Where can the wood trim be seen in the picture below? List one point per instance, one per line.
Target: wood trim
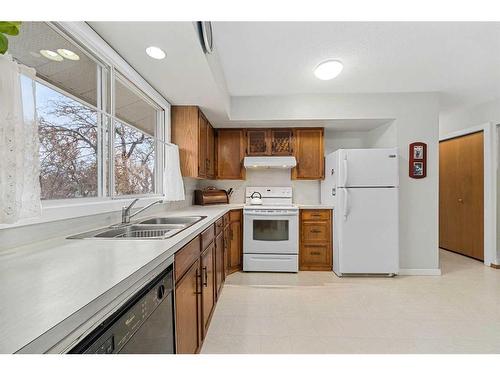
(495, 266)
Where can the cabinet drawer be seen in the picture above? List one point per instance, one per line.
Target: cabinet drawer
(207, 236)
(316, 214)
(186, 256)
(315, 231)
(315, 255)
(219, 225)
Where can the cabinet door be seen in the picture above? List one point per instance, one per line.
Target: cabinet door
(258, 142)
(282, 142)
(208, 285)
(219, 262)
(230, 154)
(309, 153)
(226, 251)
(202, 145)
(188, 311)
(235, 256)
(210, 151)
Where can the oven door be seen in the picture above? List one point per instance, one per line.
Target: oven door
(271, 233)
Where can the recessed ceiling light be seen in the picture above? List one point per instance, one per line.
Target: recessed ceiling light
(67, 54)
(328, 69)
(155, 53)
(51, 55)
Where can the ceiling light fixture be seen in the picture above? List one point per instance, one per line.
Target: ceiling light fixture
(328, 69)
(67, 54)
(155, 53)
(51, 55)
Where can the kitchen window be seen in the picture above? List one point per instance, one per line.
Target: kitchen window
(101, 136)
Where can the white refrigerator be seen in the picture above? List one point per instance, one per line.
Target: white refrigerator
(363, 186)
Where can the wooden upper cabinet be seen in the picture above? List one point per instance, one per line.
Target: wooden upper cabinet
(262, 142)
(202, 146)
(258, 142)
(210, 151)
(230, 154)
(309, 152)
(194, 135)
(281, 142)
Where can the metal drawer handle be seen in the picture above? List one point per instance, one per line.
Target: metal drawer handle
(315, 253)
(205, 283)
(198, 276)
(315, 231)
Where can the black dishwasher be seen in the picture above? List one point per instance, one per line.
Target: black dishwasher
(143, 325)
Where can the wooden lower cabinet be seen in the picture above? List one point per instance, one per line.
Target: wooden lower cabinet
(235, 241)
(200, 269)
(208, 285)
(315, 250)
(219, 263)
(226, 247)
(188, 311)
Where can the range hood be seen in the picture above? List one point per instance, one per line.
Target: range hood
(281, 162)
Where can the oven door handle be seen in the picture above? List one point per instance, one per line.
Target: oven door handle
(270, 215)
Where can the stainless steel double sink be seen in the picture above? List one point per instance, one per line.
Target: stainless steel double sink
(155, 228)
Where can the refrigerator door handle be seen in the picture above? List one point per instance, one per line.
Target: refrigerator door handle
(345, 171)
(346, 203)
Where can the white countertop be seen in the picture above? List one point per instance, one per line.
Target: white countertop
(54, 292)
(50, 288)
(316, 206)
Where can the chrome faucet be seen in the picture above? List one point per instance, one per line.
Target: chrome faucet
(126, 216)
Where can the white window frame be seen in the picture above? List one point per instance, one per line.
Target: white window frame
(60, 209)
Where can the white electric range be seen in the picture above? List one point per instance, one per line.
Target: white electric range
(271, 231)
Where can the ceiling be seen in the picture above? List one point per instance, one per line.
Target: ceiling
(183, 77)
(460, 60)
(77, 77)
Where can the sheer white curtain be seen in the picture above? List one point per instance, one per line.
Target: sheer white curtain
(19, 144)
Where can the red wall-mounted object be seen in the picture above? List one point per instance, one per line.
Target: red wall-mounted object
(418, 160)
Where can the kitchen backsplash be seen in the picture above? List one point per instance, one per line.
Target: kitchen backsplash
(304, 192)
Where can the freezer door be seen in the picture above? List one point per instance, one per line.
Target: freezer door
(367, 231)
(368, 167)
(329, 184)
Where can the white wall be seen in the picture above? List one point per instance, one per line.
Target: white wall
(415, 119)
(335, 139)
(462, 118)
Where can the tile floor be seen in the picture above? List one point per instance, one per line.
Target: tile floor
(317, 312)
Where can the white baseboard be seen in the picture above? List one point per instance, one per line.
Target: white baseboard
(420, 271)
